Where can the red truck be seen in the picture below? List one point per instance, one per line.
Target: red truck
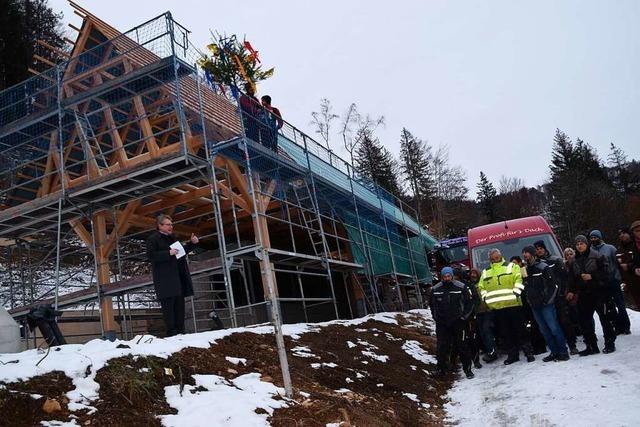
(510, 237)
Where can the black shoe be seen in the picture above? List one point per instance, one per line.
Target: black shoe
(627, 332)
(469, 374)
(550, 358)
(573, 350)
(562, 357)
(477, 364)
(490, 357)
(509, 360)
(530, 358)
(589, 351)
(609, 349)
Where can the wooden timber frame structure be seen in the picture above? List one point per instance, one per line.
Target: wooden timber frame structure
(125, 129)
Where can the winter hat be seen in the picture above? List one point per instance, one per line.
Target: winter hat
(529, 249)
(539, 244)
(596, 233)
(445, 271)
(635, 224)
(582, 238)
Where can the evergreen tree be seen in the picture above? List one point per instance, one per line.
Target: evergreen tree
(415, 162)
(374, 162)
(582, 196)
(22, 24)
(486, 197)
(620, 172)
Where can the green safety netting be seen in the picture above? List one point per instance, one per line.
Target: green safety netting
(375, 235)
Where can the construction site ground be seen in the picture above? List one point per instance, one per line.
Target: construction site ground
(375, 371)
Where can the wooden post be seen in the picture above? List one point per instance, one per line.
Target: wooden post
(103, 274)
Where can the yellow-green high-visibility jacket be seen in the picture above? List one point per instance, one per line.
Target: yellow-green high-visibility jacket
(501, 285)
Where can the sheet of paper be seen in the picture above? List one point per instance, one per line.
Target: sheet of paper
(178, 246)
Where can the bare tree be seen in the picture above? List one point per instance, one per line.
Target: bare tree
(510, 184)
(448, 186)
(322, 120)
(355, 128)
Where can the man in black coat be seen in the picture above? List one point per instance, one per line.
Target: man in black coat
(541, 290)
(171, 276)
(451, 306)
(562, 305)
(589, 279)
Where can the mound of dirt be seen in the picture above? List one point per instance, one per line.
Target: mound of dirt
(351, 374)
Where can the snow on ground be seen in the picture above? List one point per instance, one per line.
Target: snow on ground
(598, 390)
(225, 402)
(415, 350)
(236, 401)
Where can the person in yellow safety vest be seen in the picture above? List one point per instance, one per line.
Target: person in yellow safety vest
(501, 288)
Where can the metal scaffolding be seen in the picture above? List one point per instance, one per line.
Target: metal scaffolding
(127, 128)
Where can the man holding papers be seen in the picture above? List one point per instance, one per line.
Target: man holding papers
(171, 276)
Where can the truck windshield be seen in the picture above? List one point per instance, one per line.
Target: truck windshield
(511, 248)
(455, 253)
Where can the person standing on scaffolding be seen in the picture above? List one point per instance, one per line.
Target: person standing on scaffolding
(273, 122)
(251, 110)
(171, 276)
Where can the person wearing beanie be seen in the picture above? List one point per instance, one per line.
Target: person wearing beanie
(588, 280)
(501, 287)
(538, 344)
(620, 316)
(563, 311)
(541, 291)
(451, 306)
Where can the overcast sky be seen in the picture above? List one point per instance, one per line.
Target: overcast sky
(490, 79)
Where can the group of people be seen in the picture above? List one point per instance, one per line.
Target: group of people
(537, 301)
(260, 119)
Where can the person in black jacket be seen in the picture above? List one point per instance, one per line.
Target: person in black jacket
(588, 278)
(541, 290)
(451, 306)
(563, 310)
(171, 276)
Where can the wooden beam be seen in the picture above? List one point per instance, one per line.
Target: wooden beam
(261, 228)
(53, 48)
(91, 164)
(269, 192)
(103, 274)
(82, 233)
(120, 154)
(145, 126)
(180, 199)
(149, 223)
(45, 60)
(234, 197)
(122, 225)
(238, 179)
(45, 184)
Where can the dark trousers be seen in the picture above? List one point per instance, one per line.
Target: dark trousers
(565, 319)
(484, 323)
(173, 315)
(452, 339)
(588, 303)
(512, 330)
(622, 322)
